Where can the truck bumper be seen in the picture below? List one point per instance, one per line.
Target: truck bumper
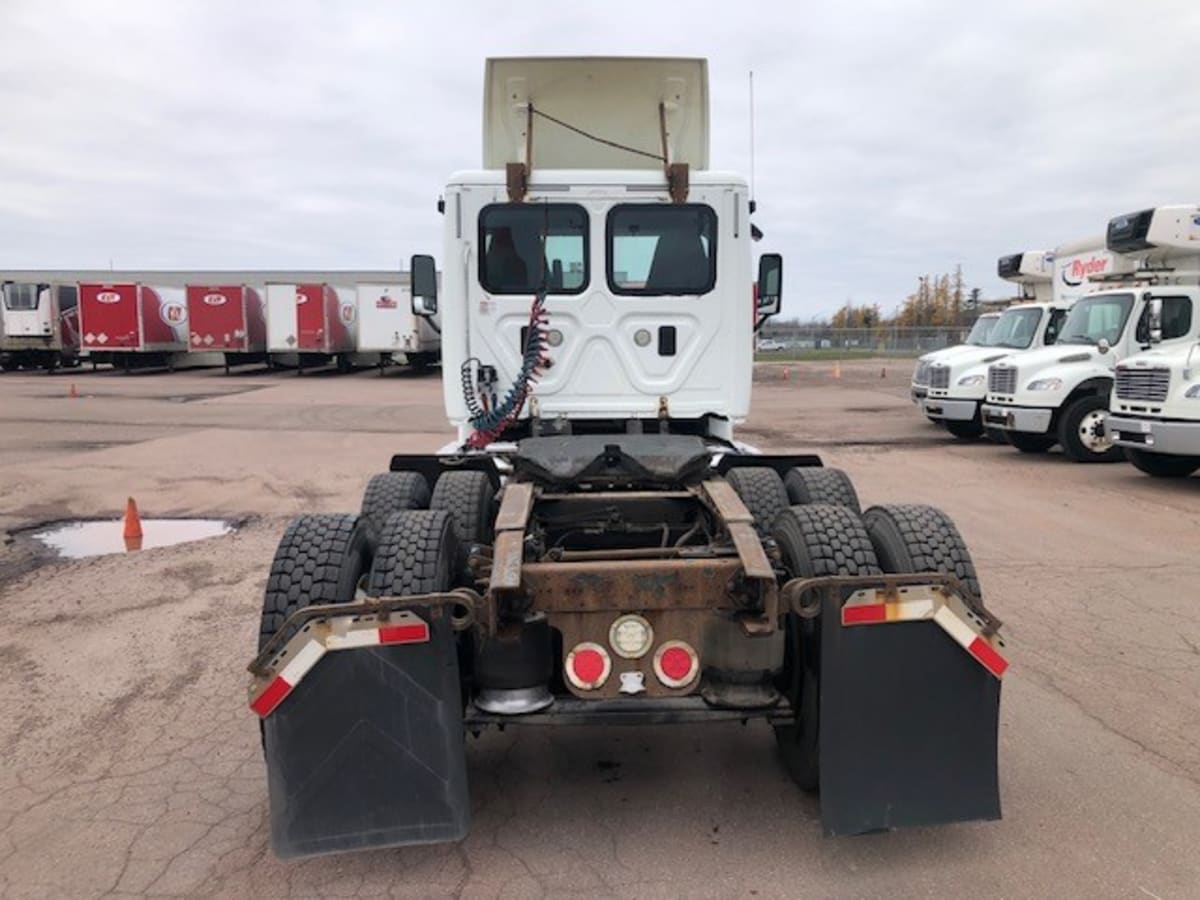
(1026, 419)
(1171, 438)
(950, 410)
(918, 394)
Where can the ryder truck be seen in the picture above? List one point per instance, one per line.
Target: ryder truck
(596, 547)
(1059, 394)
(958, 382)
(1155, 405)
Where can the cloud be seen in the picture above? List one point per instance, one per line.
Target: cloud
(892, 139)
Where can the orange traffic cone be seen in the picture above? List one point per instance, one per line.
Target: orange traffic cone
(837, 370)
(73, 394)
(133, 522)
(787, 374)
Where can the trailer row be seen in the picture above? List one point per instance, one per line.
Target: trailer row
(133, 323)
(1098, 357)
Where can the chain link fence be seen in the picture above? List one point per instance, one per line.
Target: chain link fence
(884, 340)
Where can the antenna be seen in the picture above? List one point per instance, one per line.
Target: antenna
(752, 203)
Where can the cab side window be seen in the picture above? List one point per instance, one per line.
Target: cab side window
(1054, 325)
(1176, 317)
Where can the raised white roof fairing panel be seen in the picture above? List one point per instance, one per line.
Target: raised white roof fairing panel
(614, 98)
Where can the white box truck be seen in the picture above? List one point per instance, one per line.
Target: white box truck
(389, 332)
(958, 383)
(1060, 394)
(1155, 405)
(980, 329)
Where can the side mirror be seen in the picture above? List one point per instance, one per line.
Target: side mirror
(1155, 310)
(1103, 345)
(423, 281)
(770, 284)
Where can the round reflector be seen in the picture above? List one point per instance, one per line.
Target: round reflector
(631, 636)
(587, 666)
(676, 664)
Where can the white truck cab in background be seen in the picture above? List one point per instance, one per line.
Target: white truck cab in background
(976, 337)
(1060, 394)
(958, 383)
(1155, 405)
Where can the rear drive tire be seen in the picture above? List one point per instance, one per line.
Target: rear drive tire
(320, 560)
(471, 501)
(814, 540)
(1160, 465)
(965, 431)
(910, 538)
(390, 492)
(418, 553)
(1082, 434)
(1030, 443)
(762, 490)
(807, 485)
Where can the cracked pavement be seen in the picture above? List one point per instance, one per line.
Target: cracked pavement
(131, 767)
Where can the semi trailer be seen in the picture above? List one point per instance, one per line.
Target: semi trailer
(229, 319)
(132, 324)
(1153, 416)
(957, 384)
(311, 325)
(1060, 394)
(39, 325)
(389, 332)
(596, 546)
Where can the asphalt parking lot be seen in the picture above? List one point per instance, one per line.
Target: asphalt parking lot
(131, 766)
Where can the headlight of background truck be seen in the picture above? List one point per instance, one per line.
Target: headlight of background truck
(1045, 384)
(971, 380)
(1193, 393)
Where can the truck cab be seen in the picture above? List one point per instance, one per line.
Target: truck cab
(958, 383)
(1060, 394)
(1154, 416)
(976, 337)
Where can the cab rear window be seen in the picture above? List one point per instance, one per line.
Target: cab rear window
(657, 250)
(527, 246)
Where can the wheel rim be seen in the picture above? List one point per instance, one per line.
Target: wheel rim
(1092, 433)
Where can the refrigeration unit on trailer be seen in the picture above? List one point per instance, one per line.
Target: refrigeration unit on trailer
(980, 329)
(389, 329)
(132, 324)
(596, 547)
(1060, 394)
(958, 383)
(39, 325)
(229, 319)
(1155, 404)
(310, 325)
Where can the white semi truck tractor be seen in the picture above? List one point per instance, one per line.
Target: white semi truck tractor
(596, 547)
(1059, 394)
(1155, 405)
(980, 329)
(958, 382)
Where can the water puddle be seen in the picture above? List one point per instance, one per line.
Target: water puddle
(77, 540)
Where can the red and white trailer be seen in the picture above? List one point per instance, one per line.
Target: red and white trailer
(132, 324)
(310, 324)
(229, 319)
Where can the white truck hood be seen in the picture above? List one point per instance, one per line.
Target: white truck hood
(1071, 364)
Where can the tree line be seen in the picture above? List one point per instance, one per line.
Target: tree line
(938, 301)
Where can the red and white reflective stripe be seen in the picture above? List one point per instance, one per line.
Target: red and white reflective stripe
(345, 633)
(953, 618)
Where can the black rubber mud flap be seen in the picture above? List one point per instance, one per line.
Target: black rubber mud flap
(367, 751)
(908, 728)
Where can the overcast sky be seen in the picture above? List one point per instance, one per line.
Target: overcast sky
(894, 139)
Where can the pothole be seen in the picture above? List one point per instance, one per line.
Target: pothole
(77, 540)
